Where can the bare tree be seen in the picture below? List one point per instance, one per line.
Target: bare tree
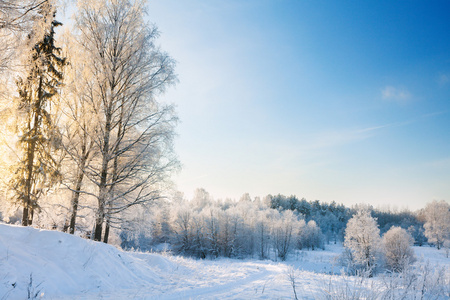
(262, 235)
(80, 151)
(80, 122)
(183, 228)
(282, 233)
(134, 132)
(16, 20)
(14, 14)
(437, 225)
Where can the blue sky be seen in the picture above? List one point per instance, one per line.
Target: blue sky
(329, 100)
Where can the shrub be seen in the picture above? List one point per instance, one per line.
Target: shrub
(397, 249)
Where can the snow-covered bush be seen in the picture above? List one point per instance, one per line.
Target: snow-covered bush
(345, 287)
(423, 282)
(310, 236)
(397, 249)
(362, 239)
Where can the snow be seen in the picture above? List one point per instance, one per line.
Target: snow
(63, 266)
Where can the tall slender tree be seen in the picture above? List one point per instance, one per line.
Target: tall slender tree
(78, 142)
(37, 168)
(134, 132)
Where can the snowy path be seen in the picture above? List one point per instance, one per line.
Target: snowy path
(221, 279)
(249, 287)
(227, 279)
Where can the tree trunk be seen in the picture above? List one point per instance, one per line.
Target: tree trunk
(25, 214)
(103, 193)
(105, 238)
(114, 176)
(76, 193)
(75, 198)
(30, 216)
(98, 228)
(101, 202)
(27, 217)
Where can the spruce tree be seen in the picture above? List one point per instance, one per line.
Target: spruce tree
(39, 136)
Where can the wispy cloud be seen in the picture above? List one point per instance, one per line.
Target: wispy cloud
(335, 138)
(433, 114)
(339, 137)
(396, 94)
(345, 136)
(309, 150)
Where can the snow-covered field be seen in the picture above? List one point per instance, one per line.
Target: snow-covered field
(54, 265)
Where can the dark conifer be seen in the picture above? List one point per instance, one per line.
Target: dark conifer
(37, 169)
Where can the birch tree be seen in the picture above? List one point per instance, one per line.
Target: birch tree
(437, 225)
(183, 240)
(262, 235)
(283, 232)
(134, 132)
(80, 122)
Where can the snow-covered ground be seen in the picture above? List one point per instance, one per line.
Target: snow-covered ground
(54, 265)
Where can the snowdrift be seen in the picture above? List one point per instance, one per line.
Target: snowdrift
(45, 264)
(51, 264)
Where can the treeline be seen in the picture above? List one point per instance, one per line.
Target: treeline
(332, 217)
(412, 222)
(207, 228)
(271, 227)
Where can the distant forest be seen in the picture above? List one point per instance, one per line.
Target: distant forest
(265, 228)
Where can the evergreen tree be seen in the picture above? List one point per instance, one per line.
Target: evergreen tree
(37, 168)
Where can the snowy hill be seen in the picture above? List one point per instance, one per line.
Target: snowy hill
(61, 264)
(53, 265)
